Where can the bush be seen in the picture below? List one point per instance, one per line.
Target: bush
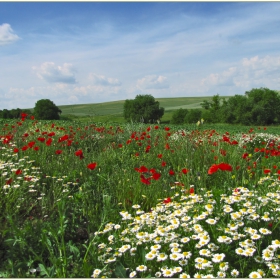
(45, 109)
(193, 116)
(178, 116)
(143, 108)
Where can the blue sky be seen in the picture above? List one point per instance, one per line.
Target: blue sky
(91, 52)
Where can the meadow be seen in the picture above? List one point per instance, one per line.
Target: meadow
(107, 112)
(90, 199)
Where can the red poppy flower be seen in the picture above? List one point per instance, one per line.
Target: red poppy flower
(16, 150)
(214, 168)
(191, 190)
(36, 148)
(31, 144)
(266, 171)
(156, 176)
(18, 172)
(225, 167)
(159, 156)
(185, 170)
(24, 148)
(156, 127)
(143, 169)
(92, 165)
(167, 147)
(58, 152)
(120, 145)
(23, 115)
(79, 153)
(8, 182)
(49, 141)
(163, 163)
(63, 138)
(234, 142)
(166, 201)
(245, 155)
(171, 172)
(27, 178)
(152, 170)
(41, 139)
(145, 180)
(167, 128)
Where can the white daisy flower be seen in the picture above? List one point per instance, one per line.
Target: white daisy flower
(141, 268)
(218, 257)
(254, 274)
(132, 274)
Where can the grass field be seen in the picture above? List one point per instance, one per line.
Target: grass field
(113, 111)
(135, 200)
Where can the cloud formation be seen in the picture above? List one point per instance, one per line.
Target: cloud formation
(7, 35)
(249, 72)
(103, 81)
(51, 73)
(153, 82)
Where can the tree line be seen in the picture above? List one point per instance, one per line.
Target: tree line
(259, 106)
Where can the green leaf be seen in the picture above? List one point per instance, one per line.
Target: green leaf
(120, 271)
(43, 270)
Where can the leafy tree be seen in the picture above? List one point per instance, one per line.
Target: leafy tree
(265, 106)
(205, 104)
(193, 116)
(143, 108)
(45, 109)
(232, 111)
(211, 113)
(178, 116)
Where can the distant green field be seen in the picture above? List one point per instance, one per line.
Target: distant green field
(116, 107)
(113, 111)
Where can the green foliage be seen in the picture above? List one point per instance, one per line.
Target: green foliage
(257, 107)
(52, 205)
(13, 113)
(193, 116)
(45, 109)
(143, 108)
(265, 106)
(179, 115)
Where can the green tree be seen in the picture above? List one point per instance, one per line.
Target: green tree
(212, 110)
(193, 116)
(205, 104)
(234, 110)
(143, 108)
(265, 106)
(45, 109)
(178, 116)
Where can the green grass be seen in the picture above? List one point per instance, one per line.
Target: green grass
(59, 194)
(113, 111)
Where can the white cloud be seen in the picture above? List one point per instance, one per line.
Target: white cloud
(248, 73)
(153, 82)
(51, 73)
(102, 80)
(7, 35)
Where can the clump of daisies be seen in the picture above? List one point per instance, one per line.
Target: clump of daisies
(197, 236)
